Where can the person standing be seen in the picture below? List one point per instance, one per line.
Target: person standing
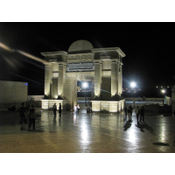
(27, 107)
(22, 115)
(142, 113)
(130, 112)
(126, 112)
(137, 111)
(60, 109)
(75, 108)
(78, 108)
(54, 109)
(32, 118)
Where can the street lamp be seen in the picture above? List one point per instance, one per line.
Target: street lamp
(133, 85)
(163, 93)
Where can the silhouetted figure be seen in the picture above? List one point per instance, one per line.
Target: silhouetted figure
(27, 106)
(60, 109)
(22, 115)
(32, 118)
(130, 112)
(126, 112)
(142, 113)
(54, 109)
(137, 111)
(78, 108)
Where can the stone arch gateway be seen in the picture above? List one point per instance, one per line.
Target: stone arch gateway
(82, 62)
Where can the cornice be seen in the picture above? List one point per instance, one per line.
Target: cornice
(54, 53)
(109, 49)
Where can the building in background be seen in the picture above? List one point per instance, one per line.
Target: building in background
(101, 67)
(13, 92)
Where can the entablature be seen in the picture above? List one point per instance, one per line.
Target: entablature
(109, 49)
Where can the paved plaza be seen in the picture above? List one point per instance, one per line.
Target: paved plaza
(87, 133)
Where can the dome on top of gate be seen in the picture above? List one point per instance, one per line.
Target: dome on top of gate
(80, 45)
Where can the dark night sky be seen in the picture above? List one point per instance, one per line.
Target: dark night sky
(149, 49)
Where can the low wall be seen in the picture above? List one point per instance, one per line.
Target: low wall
(107, 106)
(146, 99)
(48, 104)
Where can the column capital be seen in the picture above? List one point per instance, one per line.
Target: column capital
(97, 62)
(47, 65)
(60, 63)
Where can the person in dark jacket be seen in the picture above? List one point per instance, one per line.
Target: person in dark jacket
(22, 112)
(142, 113)
(32, 118)
(60, 109)
(137, 111)
(130, 112)
(54, 109)
(126, 112)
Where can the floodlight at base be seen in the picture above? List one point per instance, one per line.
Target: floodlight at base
(85, 85)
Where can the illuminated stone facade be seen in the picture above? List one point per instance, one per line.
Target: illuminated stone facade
(82, 62)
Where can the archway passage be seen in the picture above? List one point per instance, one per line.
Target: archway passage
(84, 94)
(84, 89)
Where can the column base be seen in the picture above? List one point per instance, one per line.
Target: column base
(107, 106)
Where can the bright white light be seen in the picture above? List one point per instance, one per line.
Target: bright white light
(133, 84)
(85, 85)
(163, 91)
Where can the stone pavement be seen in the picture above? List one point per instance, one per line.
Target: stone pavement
(87, 133)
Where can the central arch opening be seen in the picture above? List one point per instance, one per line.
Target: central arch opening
(84, 89)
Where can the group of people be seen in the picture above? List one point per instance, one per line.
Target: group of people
(55, 109)
(24, 112)
(140, 113)
(27, 111)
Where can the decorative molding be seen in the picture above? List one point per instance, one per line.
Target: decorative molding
(80, 75)
(105, 58)
(79, 58)
(53, 60)
(54, 53)
(109, 49)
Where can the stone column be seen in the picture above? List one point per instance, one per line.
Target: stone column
(60, 79)
(114, 77)
(47, 80)
(97, 83)
(74, 91)
(120, 80)
(64, 77)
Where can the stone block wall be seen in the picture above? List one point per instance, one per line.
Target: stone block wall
(13, 92)
(107, 106)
